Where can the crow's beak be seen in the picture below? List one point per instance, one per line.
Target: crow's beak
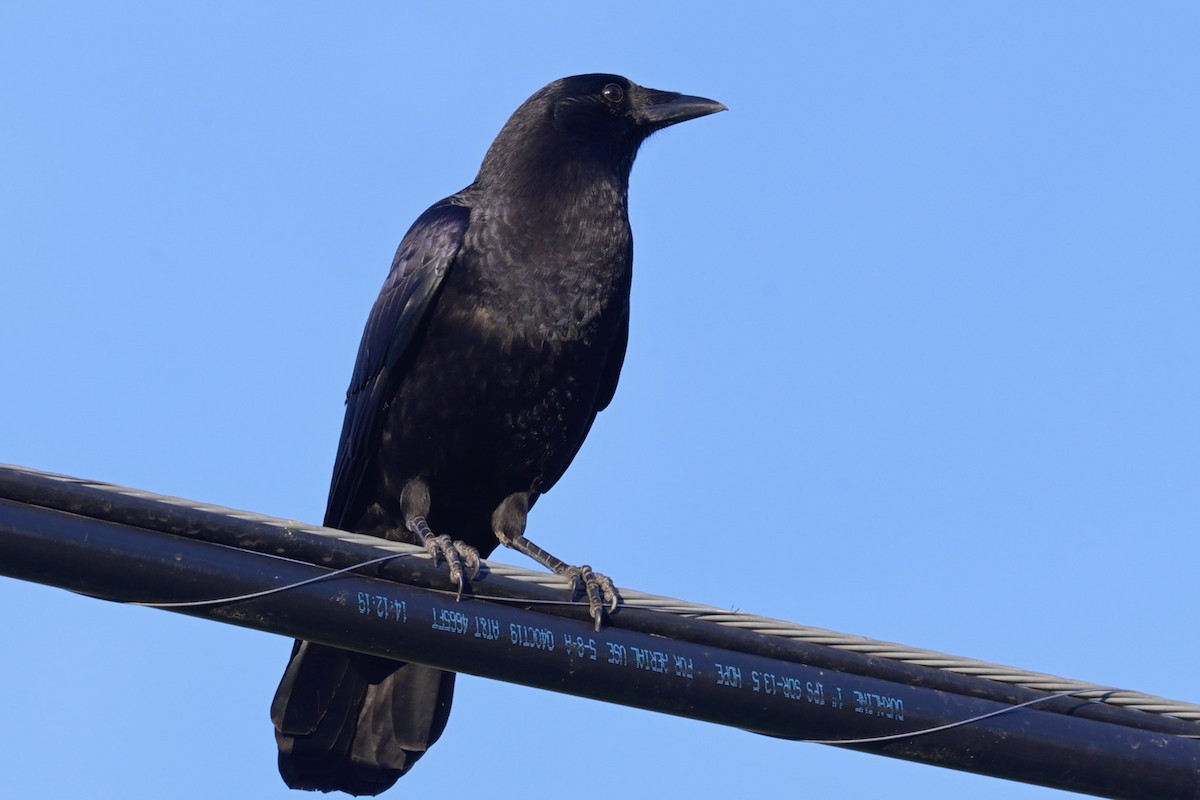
(667, 108)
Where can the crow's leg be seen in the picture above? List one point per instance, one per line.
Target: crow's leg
(414, 505)
(508, 523)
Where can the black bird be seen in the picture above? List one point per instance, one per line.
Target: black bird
(497, 338)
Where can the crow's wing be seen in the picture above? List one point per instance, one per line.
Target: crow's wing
(396, 324)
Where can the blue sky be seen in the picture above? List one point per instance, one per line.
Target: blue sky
(913, 352)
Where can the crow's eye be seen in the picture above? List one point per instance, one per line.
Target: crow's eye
(613, 93)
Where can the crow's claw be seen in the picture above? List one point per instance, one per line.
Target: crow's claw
(470, 556)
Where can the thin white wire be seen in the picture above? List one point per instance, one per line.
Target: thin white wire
(381, 559)
(237, 598)
(947, 726)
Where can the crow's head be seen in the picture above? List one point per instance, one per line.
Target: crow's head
(598, 118)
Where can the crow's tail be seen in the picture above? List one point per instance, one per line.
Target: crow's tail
(355, 723)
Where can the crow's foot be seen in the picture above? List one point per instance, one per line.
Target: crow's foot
(601, 593)
(459, 556)
(600, 590)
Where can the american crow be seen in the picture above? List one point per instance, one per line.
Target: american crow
(497, 338)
